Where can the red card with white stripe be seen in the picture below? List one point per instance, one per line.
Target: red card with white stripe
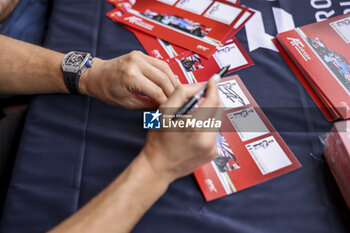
(249, 149)
(197, 25)
(191, 67)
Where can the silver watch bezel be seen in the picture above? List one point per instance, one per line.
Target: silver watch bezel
(75, 69)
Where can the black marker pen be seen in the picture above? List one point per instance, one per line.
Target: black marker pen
(194, 100)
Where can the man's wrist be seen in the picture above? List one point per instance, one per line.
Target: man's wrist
(87, 78)
(153, 157)
(141, 179)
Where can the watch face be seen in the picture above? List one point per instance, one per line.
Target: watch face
(76, 59)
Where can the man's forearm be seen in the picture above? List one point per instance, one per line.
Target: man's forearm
(29, 69)
(121, 205)
(6, 7)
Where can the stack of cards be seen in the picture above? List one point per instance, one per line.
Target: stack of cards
(195, 37)
(337, 154)
(319, 54)
(250, 150)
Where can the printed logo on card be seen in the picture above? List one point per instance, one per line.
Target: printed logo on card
(201, 47)
(300, 47)
(211, 186)
(295, 42)
(151, 120)
(138, 21)
(157, 54)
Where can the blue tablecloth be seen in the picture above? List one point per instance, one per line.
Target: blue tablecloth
(74, 146)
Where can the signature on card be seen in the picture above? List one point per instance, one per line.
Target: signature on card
(227, 90)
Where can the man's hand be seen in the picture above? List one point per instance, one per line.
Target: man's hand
(120, 81)
(165, 157)
(176, 154)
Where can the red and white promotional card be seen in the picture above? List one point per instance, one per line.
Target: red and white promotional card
(197, 25)
(116, 2)
(127, 4)
(191, 67)
(121, 3)
(327, 111)
(243, 19)
(158, 48)
(249, 149)
(322, 53)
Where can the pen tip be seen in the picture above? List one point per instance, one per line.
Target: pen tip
(224, 70)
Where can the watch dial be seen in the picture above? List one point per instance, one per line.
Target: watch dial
(76, 59)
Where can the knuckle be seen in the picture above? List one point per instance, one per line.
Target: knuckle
(164, 64)
(158, 93)
(211, 148)
(134, 55)
(182, 91)
(212, 154)
(129, 71)
(208, 147)
(210, 141)
(164, 81)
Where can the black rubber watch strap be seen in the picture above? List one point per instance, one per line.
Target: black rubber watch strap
(72, 82)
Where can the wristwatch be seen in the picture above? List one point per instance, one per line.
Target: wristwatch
(74, 64)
